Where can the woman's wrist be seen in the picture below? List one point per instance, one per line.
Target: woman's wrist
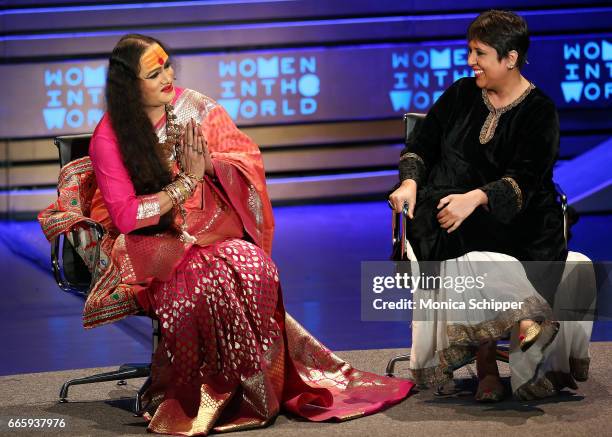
(210, 170)
(408, 182)
(192, 176)
(480, 197)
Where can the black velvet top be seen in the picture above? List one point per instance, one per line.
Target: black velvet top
(454, 153)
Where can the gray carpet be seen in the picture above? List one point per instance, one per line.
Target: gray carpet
(104, 409)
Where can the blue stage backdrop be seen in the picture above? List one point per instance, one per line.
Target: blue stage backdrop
(321, 85)
(311, 84)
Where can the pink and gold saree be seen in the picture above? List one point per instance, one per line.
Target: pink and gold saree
(230, 357)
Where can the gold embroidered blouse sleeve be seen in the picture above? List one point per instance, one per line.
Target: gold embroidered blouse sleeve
(148, 211)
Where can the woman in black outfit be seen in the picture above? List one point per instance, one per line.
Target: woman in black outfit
(477, 183)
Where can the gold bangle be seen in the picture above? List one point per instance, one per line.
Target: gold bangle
(173, 193)
(181, 189)
(177, 191)
(193, 176)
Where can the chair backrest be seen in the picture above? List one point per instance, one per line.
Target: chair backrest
(72, 147)
(73, 273)
(412, 123)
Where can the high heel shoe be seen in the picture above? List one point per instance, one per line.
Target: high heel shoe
(531, 335)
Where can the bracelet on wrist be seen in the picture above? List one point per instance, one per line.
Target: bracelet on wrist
(181, 188)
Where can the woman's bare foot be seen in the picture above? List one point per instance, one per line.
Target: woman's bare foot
(490, 387)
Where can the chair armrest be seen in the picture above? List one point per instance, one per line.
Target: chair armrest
(562, 196)
(399, 239)
(563, 201)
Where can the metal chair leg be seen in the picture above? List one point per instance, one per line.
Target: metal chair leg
(127, 371)
(391, 364)
(138, 404)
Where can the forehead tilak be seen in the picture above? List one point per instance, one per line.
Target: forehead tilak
(154, 57)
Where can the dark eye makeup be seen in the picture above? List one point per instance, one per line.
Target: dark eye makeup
(167, 65)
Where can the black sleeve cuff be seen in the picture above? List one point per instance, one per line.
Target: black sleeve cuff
(411, 166)
(505, 198)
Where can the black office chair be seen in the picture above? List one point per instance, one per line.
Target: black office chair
(73, 275)
(412, 124)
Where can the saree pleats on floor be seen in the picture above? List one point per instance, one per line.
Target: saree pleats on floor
(230, 357)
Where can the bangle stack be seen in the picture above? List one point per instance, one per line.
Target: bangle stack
(182, 188)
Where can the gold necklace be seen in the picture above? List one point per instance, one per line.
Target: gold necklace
(172, 150)
(173, 136)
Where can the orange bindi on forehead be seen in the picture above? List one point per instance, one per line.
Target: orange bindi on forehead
(153, 57)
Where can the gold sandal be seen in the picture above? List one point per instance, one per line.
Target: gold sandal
(531, 335)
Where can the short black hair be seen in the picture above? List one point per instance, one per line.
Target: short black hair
(502, 30)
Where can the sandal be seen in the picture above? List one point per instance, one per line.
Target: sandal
(531, 335)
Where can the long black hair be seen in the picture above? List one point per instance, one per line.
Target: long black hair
(138, 142)
(142, 155)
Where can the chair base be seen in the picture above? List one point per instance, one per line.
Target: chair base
(390, 371)
(126, 371)
(501, 354)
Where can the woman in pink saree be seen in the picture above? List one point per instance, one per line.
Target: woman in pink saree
(181, 193)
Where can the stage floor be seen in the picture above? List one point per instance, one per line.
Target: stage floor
(318, 250)
(104, 409)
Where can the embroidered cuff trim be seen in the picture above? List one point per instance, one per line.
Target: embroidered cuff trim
(411, 166)
(148, 211)
(517, 191)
